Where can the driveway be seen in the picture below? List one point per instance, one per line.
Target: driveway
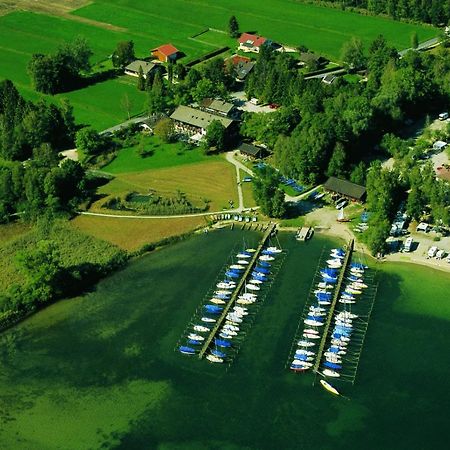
(241, 102)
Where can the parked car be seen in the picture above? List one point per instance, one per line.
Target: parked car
(342, 204)
(443, 116)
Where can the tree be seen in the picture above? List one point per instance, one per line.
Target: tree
(88, 141)
(156, 100)
(336, 166)
(42, 269)
(141, 79)
(126, 104)
(233, 27)
(123, 54)
(215, 135)
(414, 40)
(165, 130)
(267, 194)
(358, 174)
(352, 54)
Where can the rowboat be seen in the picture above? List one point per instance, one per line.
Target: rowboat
(214, 359)
(329, 388)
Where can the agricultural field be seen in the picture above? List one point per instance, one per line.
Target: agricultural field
(133, 234)
(320, 29)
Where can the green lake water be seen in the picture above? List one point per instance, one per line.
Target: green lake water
(100, 371)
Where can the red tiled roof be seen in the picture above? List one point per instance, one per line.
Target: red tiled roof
(166, 49)
(254, 39)
(236, 59)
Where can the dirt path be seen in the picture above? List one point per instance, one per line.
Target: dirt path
(61, 8)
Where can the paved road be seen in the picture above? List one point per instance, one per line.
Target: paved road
(422, 46)
(124, 124)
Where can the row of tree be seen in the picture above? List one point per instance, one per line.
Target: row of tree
(63, 70)
(25, 125)
(436, 12)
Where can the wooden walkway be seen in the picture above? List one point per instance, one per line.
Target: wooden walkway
(303, 234)
(238, 289)
(337, 291)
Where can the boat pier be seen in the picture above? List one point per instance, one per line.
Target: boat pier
(337, 291)
(268, 232)
(304, 233)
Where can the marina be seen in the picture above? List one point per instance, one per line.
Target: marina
(230, 310)
(122, 358)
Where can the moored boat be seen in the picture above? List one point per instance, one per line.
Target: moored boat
(329, 388)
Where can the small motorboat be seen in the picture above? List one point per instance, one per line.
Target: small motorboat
(329, 388)
(222, 343)
(304, 352)
(195, 337)
(266, 258)
(243, 255)
(250, 250)
(231, 327)
(313, 323)
(330, 373)
(237, 267)
(299, 367)
(226, 285)
(201, 328)
(243, 262)
(245, 301)
(273, 249)
(323, 285)
(208, 320)
(344, 301)
(310, 331)
(311, 336)
(252, 287)
(303, 343)
(231, 274)
(333, 366)
(224, 335)
(218, 353)
(264, 264)
(223, 292)
(213, 309)
(303, 358)
(214, 359)
(217, 301)
(194, 342)
(256, 281)
(187, 350)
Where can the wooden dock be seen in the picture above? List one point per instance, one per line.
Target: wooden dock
(303, 233)
(269, 230)
(337, 291)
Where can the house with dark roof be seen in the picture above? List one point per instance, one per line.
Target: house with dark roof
(133, 68)
(165, 53)
(252, 151)
(193, 123)
(217, 106)
(311, 59)
(252, 42)
(242, 66)
(346, 189)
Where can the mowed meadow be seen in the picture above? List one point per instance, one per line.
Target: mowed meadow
(195, 28)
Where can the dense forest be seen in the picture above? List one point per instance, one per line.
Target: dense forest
(436, 12)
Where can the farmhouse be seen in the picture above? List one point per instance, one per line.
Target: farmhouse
(133, 68)
(242, 66)
(311, 59)
(165, 53)
(217, 106)
(193, 123)
(346, 189)
(252, 42)
(251, 151)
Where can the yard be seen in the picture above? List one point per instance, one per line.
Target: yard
(212, 181)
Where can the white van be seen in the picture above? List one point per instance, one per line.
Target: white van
(443, 116)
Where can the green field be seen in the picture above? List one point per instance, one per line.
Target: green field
(162, 156)
(321, 29)
(183, 23)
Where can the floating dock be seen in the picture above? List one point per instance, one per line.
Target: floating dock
(304, 233)
(269, 230)
(337, 291)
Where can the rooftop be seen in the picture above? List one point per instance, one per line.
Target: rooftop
(198, 118)
(250, 149)
(345, 187)
(166, 49)
(252, 40)
(134, 66)
(218, 105)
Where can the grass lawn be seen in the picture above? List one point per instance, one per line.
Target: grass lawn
(323, 30)
(214, 181)
(247, 190)
(163, 155)
(13, 230)
(132, 234)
